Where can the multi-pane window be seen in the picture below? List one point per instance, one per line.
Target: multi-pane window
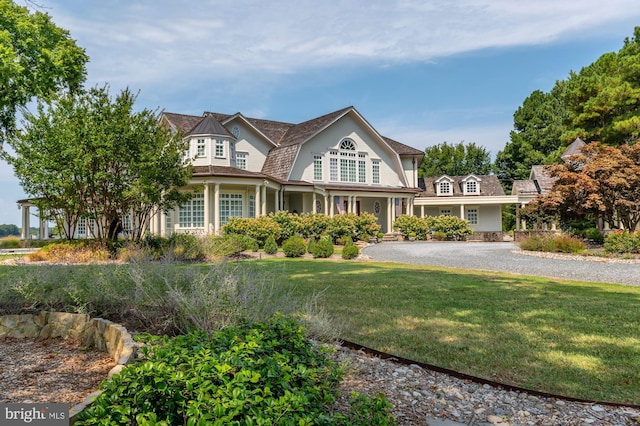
(347, 167)
(317, 167)
(191, 213)
(200, 148)
(230, 206)
(375, 171)
(445, 188)
(472, 187)
(82, 227)
(252, 206)
(472, 216)
(219, 148)
(333, 169)
(348, 145)
(362, 169)
(241, 160)
(445, 212)
(126, 223)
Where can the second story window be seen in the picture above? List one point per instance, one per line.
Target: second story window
(317, 167)
(200, 148)
(444, 188)
(219, 148)
(471, 187)
(375, 171)
(241, 160)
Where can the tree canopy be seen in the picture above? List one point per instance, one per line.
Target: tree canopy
(86, 155)
(601, 103)
(455, 160)
(37, 59)
(601, 182)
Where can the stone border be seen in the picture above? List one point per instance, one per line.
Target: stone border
(98, 333)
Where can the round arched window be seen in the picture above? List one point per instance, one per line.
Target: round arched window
(235, 131)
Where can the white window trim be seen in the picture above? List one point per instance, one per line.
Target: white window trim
(204, 148)
(245, 157)
(216, 143)
(440, 181)
(477, 214)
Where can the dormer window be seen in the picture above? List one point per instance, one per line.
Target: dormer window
(219, 148)
(200, 148)
(444, 186)
(471, 185)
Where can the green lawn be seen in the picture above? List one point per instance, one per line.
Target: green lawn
(566, 337)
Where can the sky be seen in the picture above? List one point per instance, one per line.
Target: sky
(421, 72)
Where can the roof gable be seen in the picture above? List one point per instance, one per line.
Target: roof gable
(208, 125)
(490, 186)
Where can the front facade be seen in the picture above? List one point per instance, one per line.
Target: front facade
(333, 164)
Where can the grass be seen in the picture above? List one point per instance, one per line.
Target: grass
(566, 337)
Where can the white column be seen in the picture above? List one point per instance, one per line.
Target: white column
(258, 203)
(332, 205)
(44, 227)
(276, 198)
(207, 210)
(326, 204)
(264, 200)
(313, 202)
(25, 222)
(461, 211)
(407, 207)
(163, 223)
(216, 209)
(421, 211)
(390, 209)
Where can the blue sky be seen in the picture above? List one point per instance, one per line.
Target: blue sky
(420, 71)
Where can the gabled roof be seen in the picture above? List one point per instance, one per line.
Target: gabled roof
(302, 132)
(182, 122)
(272, 130)
(208, 125)
(524, 187)
(574, 148)
(542, 179)
(401, 148)
(490, 186)
(280, 160)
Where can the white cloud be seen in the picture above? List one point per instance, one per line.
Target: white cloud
(136, 42)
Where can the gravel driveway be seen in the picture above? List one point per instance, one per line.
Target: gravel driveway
(506, 257)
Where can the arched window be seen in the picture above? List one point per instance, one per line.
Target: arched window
(348, 145)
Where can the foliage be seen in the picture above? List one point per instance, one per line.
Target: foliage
(420, 226)
(599, 182)
(294, 247)
(9, 230)
(270, 246)
(365, 224)
(218, 246)
(81, 251)
(622, 242)
(323, 248)
(594, 235)
(9, 242)
(553, 244)
(342, 225)
(439, 236)
(440, 227)
(311, 245)
(85, 155)
(455, 160)
(38, 59)
(263, 373)
(186, 247)
(453, 227)
(350, 251)
(260, 228)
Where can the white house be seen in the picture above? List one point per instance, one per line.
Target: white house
(248, 167)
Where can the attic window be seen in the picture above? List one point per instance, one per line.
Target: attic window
(444, 188)
(348, 145)
(471, 187)
(236, 131)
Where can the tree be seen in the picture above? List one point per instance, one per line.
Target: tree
(455, 160)
(85, 155)
(537, 126)
(37, 59)
(8, 230)
(601, 182)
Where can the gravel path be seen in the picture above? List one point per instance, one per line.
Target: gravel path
(507, 257)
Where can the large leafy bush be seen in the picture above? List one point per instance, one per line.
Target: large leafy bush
(323, 248)
(621, 242)
(294, 247)
(259, 228)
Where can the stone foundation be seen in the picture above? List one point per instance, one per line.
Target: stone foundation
(98, 333)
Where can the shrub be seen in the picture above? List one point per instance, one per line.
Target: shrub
(553, 244)
(294, 247)
(452, 226)
(439, 236)
(350, 251)
(228, 245)
(79, 251)
(343, 241)
(185, 247)
(621, 242)
(323, 248)
(270, 246)
(342, 225)
(566, 244)
(290, 224)
(365, 224)
(594, 235)
(311, 245)
(264, 373)
(259, 228)
(412, 224)
(9, 242)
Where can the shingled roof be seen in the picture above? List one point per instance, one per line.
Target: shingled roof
(302, 132)
(401, 148)
(542, 179)
(182, 122)
(280, 160)
(573, 149)
(524, 187)
(209, 126)
(489, 186)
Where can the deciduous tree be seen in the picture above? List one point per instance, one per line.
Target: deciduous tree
(37, 59)
(455, 160)
(86, 155)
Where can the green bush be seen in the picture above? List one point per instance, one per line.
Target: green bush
(186, 247)
(439, 236)
(452, 226)
(311, 245)
(350, 251)
(265, 373)
(270, 246)
(622, 242)
(594, 235)
(420, 227)
(365, 224)
(342, 225)
(323, 248)
(553, 244)
(294, 247)
(228, 245)
(259, 228)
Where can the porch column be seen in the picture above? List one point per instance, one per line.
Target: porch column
(421, 211)
(263, 208)
(354, 208)
(276, 198)
(517, 217)
(407, 206)
(25, 222)
(390, 208)
(313, 202)
(326, 204)
(332, 205)
(258, 203)
(216, 208)
(44, 227)
(207, 211)
(461, 211)
(163, 223)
